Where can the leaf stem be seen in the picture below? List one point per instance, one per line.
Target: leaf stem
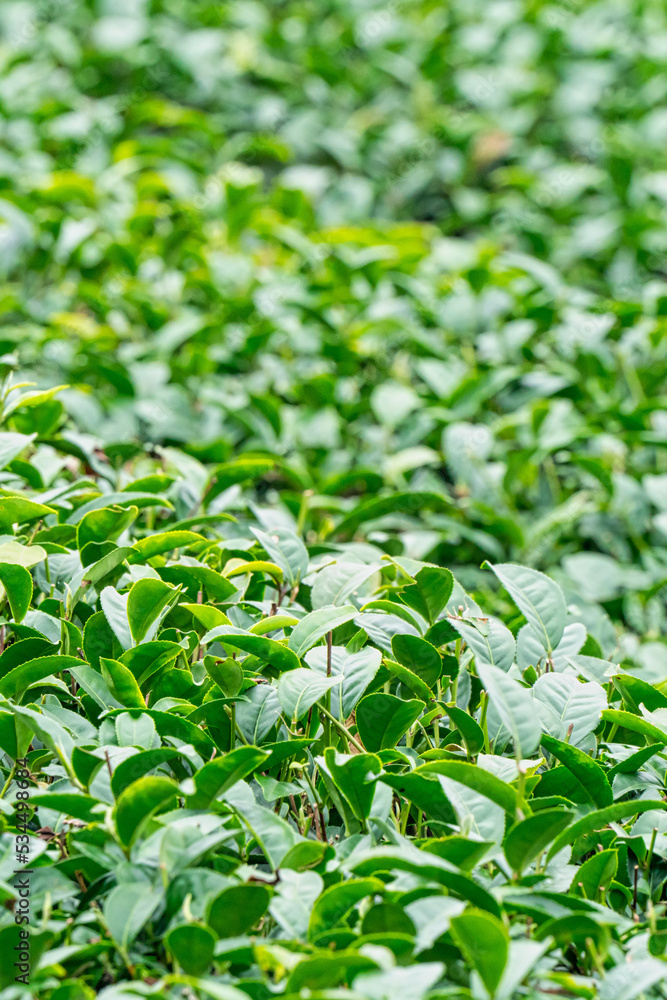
(231, 712)
(405, 815)
(484, 698)
(428, 738)
(327, 697)
(521, 789)
(341, 728)
(303, 511)
(649, 856)
(232, 717)
(8, 782)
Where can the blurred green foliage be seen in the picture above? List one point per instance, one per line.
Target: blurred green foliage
(359, 291)
(401, 246)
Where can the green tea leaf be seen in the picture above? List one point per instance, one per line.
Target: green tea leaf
(16, 681)
(588, 773)
(20, 510)
(382, 719)
(235, 910)
(336, 902)
(491, 643)
(221, 773)
(299, 689)
(315, 625)
(538, 598)
(430, 592)
(147, 603)
(128, 908)
(595, 873)
(273, 652)
(601, 817)
(527, 839)
(354, 670)
(514, 706)
(121, 683)
(477, 778)
(192, 945)
(484, 941)
(354, 778)
(286, 550)
(419, 656)
(138, 802)
(17, 583)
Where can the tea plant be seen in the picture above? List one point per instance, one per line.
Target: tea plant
(261, 759)
(333, 500)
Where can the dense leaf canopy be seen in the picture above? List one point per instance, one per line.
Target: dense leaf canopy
(333, 499)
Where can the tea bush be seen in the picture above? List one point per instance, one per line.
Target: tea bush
(332, 500)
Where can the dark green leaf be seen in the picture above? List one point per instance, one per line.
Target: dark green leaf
(382, 719)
